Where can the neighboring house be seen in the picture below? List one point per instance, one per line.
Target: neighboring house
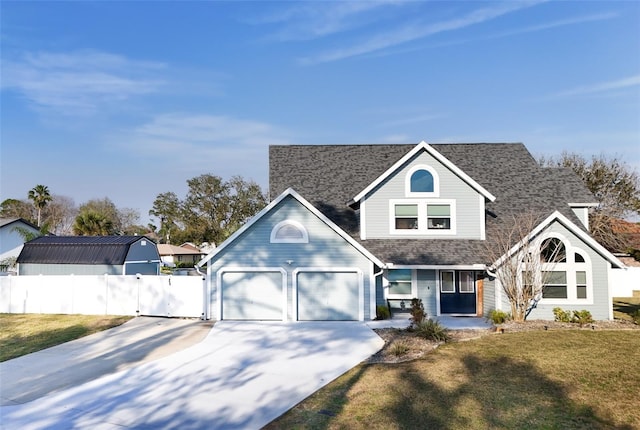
(186, 253)
(89, 255)
(12, 238)
(356, 226)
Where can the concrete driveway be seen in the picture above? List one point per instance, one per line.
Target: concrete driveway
(241, 376)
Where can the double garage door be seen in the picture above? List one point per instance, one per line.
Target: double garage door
(317, 295)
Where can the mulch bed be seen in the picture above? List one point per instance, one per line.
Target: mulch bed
(401, 345)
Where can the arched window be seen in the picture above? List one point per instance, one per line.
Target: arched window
(289, 231)
(422, 180)
(553, 251)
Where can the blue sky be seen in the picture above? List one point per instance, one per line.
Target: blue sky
(127, 100)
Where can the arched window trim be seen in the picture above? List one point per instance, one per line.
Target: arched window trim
(436, 182)
(570, 267)
(289, 223)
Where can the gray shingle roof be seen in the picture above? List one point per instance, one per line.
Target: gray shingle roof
(329, 176)
(110, 250)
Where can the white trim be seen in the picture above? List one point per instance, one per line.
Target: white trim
(356, 270)
(372, 292)
(414, 284)
(583, 205)
(422, 229)
(363, 223)
(289, 222)
(240, 269)
(570, 267)
(434, 175)
(442, 159)
(291, 192)
(483, 219)
(581, 234)
(476, 267)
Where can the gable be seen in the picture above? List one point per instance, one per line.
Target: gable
(256, 244)
(424, 154)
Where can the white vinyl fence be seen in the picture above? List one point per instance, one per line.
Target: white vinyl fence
(168, 296)
(625, 281)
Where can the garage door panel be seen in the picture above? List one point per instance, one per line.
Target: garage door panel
(252, 296)
(328, 296)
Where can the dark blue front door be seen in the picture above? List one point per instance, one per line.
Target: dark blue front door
(457, 292)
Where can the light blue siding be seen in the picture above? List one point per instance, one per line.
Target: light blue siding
(325, 250)
(469, 214)
(488, 295)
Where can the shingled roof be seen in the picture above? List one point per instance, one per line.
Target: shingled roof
(329, 176)
(111, 250)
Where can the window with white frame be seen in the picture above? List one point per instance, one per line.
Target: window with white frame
(566, 273)
(400, 283)
(467, 282)
(422, 216)
(422, 180)
(447, 282)
(289, 231)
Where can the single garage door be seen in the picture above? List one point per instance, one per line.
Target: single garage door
(328, 296)
(252, 296)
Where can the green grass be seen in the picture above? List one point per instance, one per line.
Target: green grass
(572, 379)
(22, 334)
(623, 307)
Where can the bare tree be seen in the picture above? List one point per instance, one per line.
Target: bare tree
(60, 215)
(522, 261)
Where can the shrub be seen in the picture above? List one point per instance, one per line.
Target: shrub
(636, 316)
(433, 330)
(499, 317)
(582, 317)
(382, 312)
(399, 348)
(561, 315)
(417, 312)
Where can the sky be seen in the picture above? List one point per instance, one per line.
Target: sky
(130, 99)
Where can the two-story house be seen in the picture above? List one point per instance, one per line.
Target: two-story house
(356, 226)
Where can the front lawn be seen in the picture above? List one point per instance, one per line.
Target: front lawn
(565, 379)
(624, 307)
(22, 334)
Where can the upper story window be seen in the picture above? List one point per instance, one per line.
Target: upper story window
(289, 231)
(422, 181)
(423, 216)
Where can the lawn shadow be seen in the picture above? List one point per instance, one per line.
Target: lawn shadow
(491, 393)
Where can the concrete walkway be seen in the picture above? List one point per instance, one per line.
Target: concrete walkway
(241, 376)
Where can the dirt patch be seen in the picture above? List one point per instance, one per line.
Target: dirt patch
(401, 345)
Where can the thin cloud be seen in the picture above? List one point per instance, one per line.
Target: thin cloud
(306, 21)
(556, 24)
(598, 88)
(417, 30)
(78, 83)
(196, 143)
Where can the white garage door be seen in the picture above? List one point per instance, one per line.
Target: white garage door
(252, 296)
(328, 296)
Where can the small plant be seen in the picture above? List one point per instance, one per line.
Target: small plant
(582, 317)
(498, 316)
(399, 348)
(433, 330)
(636, 316)
(561, 315)
(382, 312)
(417, 312)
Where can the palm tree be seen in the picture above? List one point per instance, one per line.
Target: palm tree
(40, 196)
